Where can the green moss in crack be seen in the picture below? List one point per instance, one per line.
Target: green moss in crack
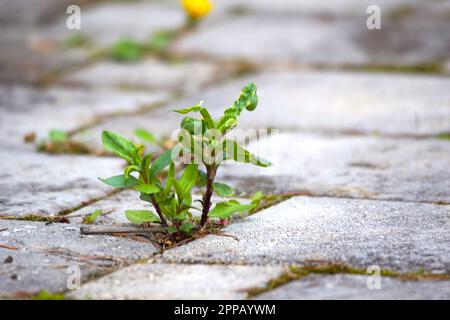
(444, 136)
(299, 272)
(426, 68)
(45, 295)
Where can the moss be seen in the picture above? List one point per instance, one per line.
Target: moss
(299, 272)
(444, 136)
(76, 40)
(37, 218)
(45, 295)
(427, 68)
(269, 200)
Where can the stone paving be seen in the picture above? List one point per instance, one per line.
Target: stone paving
(361, 117)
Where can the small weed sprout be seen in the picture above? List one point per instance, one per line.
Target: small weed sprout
(202, 148)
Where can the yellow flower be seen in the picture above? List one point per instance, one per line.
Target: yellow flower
(197, 8)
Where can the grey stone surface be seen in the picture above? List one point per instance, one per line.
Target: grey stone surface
(25, 54)
(47, 256)
(150, 73)
(41, 184)
(107, 23)
(24, 109)
(348, 287)
(393, 235)
(347, 166)
(331, 41)
(336, 7)
(329, 101)
(167, 281)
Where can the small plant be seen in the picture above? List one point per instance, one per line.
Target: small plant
(127, 50)
(202, 147)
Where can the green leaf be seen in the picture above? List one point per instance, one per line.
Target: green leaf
(202, 179)
(121, 147)
(187, 228)
(193, 126)
(57, 136)
(147, 188)
(248, 99)
(128, 170)
(160, 163)
(223, 190)
(146, 136)
(257, 197)
(233, 151)
(93, 216)
(121, 182)
(207, 117)
(195, 108)
(141, 216)
(189, 177)
(145, 165)
(178, 189)
(126, 50)
(224, 210)
(172, 229)
(161, 40)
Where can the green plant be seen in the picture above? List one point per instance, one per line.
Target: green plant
(203, 145)
(90, 218)
(127, 50)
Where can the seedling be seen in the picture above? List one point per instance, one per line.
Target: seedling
(203, 143)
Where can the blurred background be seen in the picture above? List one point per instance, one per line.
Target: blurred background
(131, 55)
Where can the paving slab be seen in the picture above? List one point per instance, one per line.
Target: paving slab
(47, 256)
(25, 109)
(392, 235)
(330, 41)
(106, 23)
(328, 101)
(185, 77)
(347, 166)
(366, 103)
(170, 282)
(335, 7)
(45, 185)
(27, 56)
(354, 287)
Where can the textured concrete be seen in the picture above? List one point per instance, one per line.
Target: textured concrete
(106, 24)
(331, 8)
(46, 185)
(348, 287)
(328, 41)
(45, 252)
(392, 235)
(348, 166)
(367, 103)
(147, 74)
(391, 104)
(24, 110)
(166, 281)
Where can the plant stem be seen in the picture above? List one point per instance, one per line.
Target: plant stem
(158, 210)
(211, 174)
